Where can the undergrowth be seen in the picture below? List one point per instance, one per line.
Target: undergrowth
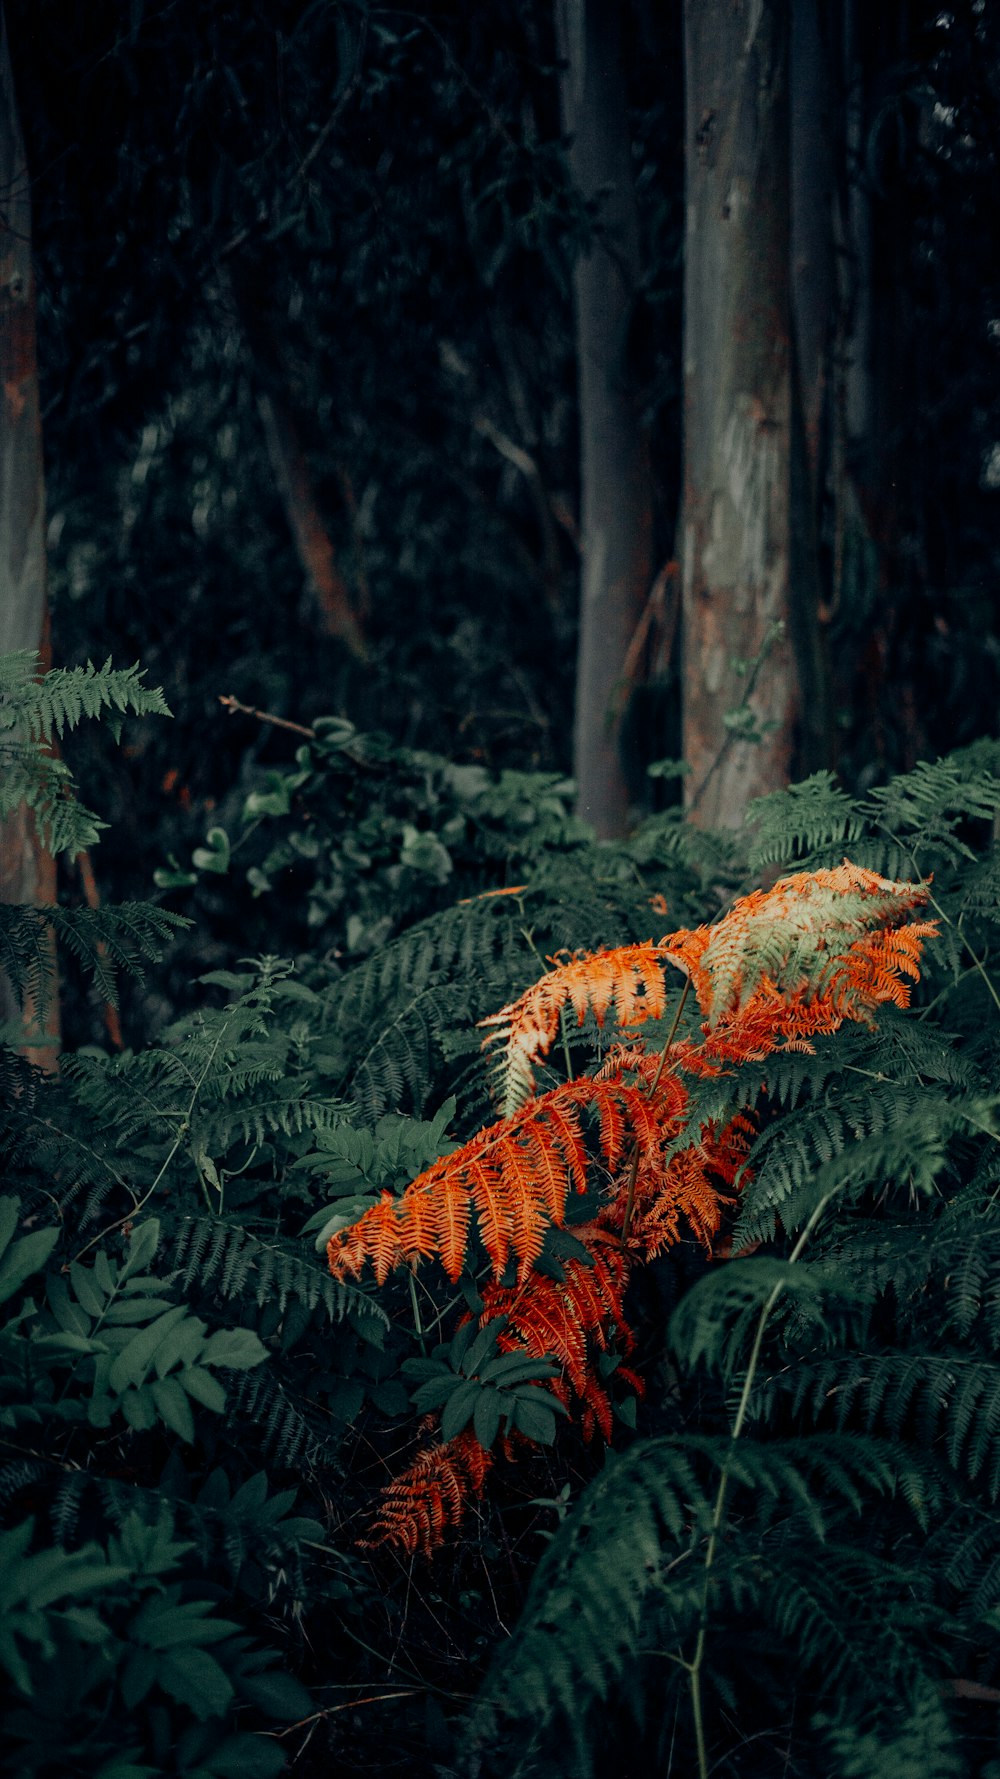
(616, 1395)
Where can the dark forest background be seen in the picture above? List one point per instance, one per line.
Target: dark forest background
(409, 382)
(305, 276)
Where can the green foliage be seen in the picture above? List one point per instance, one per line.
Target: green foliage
(468, 1381)
(799, 1522)
(32, 709)
(104, 941)
(831, 1549)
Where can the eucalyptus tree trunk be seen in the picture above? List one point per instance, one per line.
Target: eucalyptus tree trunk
(817, 421)
(615, 484)
(742, 681)
(27, 872)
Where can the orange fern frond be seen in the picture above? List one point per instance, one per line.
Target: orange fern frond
(429, 1498)
(784, 966)
(629, 979)
(798, 937)
(551, 1319)
(515, 1175)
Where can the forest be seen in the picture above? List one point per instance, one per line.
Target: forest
(499, 889)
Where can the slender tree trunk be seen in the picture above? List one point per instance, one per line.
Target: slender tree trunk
(326, 588)
(27, 872)
(813, 149)
(327, 594)
(742, 708)
(615, 485)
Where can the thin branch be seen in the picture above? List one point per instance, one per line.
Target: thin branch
(234, 707)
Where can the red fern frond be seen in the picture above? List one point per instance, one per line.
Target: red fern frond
(454, 1212)
(552, 1319)
(427, 1499)
(516, 1175)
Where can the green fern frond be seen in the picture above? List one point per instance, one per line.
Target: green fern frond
(930, 803)
(284, 1433)
(949, 1401)
(808, 818)
(236, 1262)
(887, 1133)
(628, 1560)
(913, 1743)
(64, 696)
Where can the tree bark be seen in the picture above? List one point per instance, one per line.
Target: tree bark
(27, 872)
(742, 709)
(615, 484)
(815, 306)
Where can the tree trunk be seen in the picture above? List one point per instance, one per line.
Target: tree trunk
(815, 306)
(743, 686)
(27, 872)
(327, 594)
(615, 484)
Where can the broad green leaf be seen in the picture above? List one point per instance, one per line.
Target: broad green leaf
(138, 1676)
(87, 1294)
(143, 1244)
(162, 1622)
(278, 1695)
(252, 1494)
(487, 1415)
(103, 1273)
(458, 1409)
(483, 1345)
(245, 1757)
(194, 1678)
(9, 1208)
(128, 1312)
(535, 1421)
(134, 1360)
(23, 1258)
(174, 1408)
(433, 1392)
(236, 1348)
(203, 1387)
(138, 1408)
(515, 1368)
(126, 1766)
(528, 1393)
(68, 1314)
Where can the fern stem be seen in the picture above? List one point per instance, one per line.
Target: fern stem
(417, 1324)
(698, 1659)
(633, 1166)
(672, 1033)
(183, 1130)
(977, 962)
(529, 938)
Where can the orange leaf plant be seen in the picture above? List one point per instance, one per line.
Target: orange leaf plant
(782, 967)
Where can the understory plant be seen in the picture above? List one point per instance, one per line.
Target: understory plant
(618, 1395)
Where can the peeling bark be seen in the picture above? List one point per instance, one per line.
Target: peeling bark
(615, 484)
(27, 872)
(738, 408)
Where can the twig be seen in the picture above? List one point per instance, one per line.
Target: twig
(234, 707)
(410, 1692)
